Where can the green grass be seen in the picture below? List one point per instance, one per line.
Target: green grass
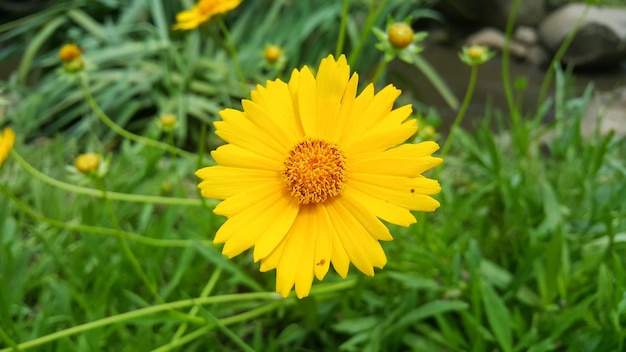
(526, 253)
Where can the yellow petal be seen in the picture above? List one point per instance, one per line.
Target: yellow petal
(267, 123)
(332, 79)
(221, 182)
(366, 218)
(232, 155)
(276, 217)
(362, 249)
(290, 263)
(306, 102)
(379, 140)
(410, 193)
(342, 125)
(276, 100)
(323, 242)
(382, 209)
(235, 128)
(409, 160)
(254, 195)
(268, 242)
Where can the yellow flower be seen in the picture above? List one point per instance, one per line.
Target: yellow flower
(7, 139)
(167, 121)
(400, 35)
(69, 52)
(71, 56)
(272, 53)
(308, 171)
(202, 12)
(87, 162)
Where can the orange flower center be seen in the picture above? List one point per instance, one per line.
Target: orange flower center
(315, 171)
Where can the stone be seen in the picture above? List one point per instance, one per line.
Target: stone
(494, 12)
(605, 112)
(495, 39)
(600, 40)
(526, 35)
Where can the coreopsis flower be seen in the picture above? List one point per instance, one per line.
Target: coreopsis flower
(476, 55)
(7, 139)
(310, 169)
(399, 40)
(400, 35)
(203, 11)
(71, 57)
(87, 162)
(272, 53)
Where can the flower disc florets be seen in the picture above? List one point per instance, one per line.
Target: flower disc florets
(315, 171)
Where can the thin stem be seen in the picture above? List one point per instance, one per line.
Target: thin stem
(125, 247)
(139, 198)
(140, 313)
(247, 316)
(379, 71)
(372, 16)
(342, 28)
(124, 133)
(461, 114)
(547, 79)
(194, 310)
(233, 53)
(506, 81)
(169, 243)
(7, 339)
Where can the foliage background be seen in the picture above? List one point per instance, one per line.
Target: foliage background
(525, 254)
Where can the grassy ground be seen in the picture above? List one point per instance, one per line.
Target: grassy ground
(526, 253)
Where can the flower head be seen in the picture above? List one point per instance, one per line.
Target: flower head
(310, 169)
(87, 163)
(7, 139)
(71, 57)
(202, 12)
(400, 35)
(272, 53)
(476, 55)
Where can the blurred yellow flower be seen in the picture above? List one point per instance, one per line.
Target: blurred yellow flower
(87, 162)
(272, 53)
(69, 52)
(308, 171)
(202, 12)
(71, 56)
(400, 35)
(7, 139)
(167, 120)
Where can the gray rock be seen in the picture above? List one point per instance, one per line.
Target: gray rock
(526, 35)
(495, 39)
(600, 40)
(494, 12)
(606, 112)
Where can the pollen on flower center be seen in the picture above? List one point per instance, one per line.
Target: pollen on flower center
(315, 171)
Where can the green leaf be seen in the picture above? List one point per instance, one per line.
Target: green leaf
(498, 317)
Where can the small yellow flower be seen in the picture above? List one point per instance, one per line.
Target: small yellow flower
(272, 53)
(400, 35)
(69, 52)
(202, 12)
(167, 120)
(7, 139)
(87, 162)
(428, 131)
(311, 170)
(71, 56)
(476, 55)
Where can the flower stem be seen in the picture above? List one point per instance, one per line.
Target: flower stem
(506, 81)
(124, 133)
(171, 243)
(342, 28)
(372, 16)
(125, 247)
(139, 198)
(461, 114)
(233, 53)
(194, 310)
(379, 71)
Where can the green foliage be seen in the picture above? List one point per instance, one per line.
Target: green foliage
(526, 253)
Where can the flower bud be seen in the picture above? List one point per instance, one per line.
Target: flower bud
(400, 35)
